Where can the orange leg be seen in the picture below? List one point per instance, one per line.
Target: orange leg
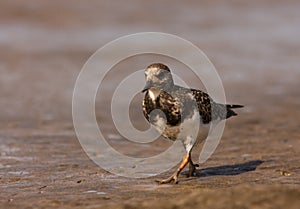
(174, 177)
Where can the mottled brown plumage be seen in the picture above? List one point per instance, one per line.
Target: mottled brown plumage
(168, 107)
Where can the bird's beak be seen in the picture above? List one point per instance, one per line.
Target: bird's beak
(147, 86)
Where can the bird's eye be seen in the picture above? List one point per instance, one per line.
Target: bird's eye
(160, 75)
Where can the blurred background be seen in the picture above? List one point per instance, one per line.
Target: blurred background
(254, 46)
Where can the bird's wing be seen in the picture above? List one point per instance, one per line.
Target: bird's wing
(204, 103)
(210, 110)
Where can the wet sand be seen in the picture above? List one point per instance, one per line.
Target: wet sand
(254, 47)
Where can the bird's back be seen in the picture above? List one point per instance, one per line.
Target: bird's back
(179, 103)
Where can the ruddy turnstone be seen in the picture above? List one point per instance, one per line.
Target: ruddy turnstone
(175, 111)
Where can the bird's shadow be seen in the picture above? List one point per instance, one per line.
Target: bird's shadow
(229, 170)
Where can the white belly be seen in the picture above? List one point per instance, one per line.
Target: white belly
(190, 131)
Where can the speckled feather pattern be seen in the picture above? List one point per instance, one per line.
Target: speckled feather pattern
(180, 102)
(180, 113)
(175, 111)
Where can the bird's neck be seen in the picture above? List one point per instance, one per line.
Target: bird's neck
(168, 86)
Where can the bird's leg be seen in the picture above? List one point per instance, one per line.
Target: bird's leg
(174, 177)
(192, 167)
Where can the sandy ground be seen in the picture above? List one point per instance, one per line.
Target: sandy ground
(254, 46)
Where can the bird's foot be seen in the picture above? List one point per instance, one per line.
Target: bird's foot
(171, 179)
(192, 170)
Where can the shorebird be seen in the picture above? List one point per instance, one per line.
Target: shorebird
(180, 113)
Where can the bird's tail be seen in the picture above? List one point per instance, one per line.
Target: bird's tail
(233, 106)
(229, 108)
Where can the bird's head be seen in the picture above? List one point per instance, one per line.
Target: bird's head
(158, 76)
